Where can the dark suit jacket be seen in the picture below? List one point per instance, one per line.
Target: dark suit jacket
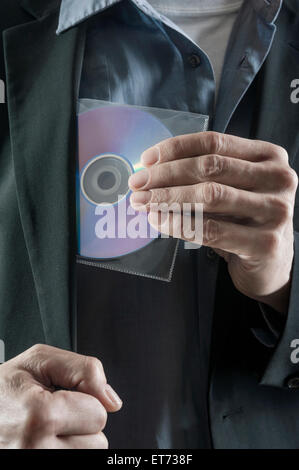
(251, 402)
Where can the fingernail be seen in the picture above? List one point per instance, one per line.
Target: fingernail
(112, 396)
(150, 156)
(141, 198)
(139, 179)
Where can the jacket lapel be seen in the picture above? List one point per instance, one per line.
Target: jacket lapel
(275, 115)
(42, 72)
(245, 58)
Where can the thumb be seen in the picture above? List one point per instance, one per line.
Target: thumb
(65, 369)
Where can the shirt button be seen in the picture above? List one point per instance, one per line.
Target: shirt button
(194, 60)
(211, 254)
(293, 382)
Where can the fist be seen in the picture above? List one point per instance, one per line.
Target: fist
(34, 414)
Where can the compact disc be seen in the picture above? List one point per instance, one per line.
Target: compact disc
(111, 141)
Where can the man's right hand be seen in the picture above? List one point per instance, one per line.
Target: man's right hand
(35, 415)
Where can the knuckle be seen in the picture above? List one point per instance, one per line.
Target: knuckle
(92, 366)
(172, 147)
(212, 165)
(49, 418)
(215, 142)
(272, 152)
(102, 417)
(271, 241)
(289, 178)
(163, 173)
(211, 231)
(35, 357)
(41, 416)
(104, 444)
(279, 153)
(160, 196)
(212, 193)
(37, 350)
(283, 210)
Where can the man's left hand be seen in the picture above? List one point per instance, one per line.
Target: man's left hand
(247, 189)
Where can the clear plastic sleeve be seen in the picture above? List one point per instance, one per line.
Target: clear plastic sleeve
(111, 234)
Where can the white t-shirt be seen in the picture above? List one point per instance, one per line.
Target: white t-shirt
(207, 22)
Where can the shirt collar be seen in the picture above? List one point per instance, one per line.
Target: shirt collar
(73, 12)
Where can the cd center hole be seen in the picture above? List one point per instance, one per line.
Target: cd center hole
(106, 180)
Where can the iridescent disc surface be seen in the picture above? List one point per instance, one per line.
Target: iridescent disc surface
(111, 141)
